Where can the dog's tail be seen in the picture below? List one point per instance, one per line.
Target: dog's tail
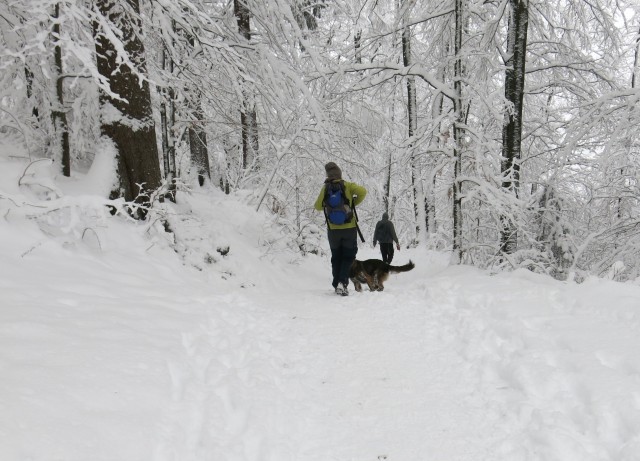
(397, 269)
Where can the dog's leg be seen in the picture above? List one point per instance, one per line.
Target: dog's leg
(357, 285)
(370, 283)
(381, 281)
(376, 282)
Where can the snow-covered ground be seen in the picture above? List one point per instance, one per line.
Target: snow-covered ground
(113, 347)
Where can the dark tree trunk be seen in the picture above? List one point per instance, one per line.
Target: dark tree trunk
(225, 168)
(164, 136)
(357, 44)
(439, 144)
(134, 133)
(197, 135)
(386, 198)
(306, 13)
(636, 62)
(248, 116)
(512, 129)
(636, 57)
(28, 74)
(198, 147)
(59, 114)
(167, 122)
(457, 134)
(413, 124)
(249, 123)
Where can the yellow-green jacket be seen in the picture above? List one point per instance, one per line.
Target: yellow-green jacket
(351, 190)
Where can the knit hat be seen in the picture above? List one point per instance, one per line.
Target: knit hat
(333, 171)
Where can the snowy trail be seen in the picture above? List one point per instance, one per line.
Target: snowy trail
(392, 387)
(311, 376)
(409, 373)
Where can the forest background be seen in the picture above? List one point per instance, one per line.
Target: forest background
(504, 132)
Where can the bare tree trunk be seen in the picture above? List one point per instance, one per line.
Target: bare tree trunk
(628, 142)
(134, 133)
(28, 74)
(457, 134)
(438, 145)
(250, 141)
(226, 167)
(386, 198)
(357, 44)
(164, 132)
(512, 129)
(248, 116)
(636, 62)
(198, 145)
(412, 111)
(167, 122)
(59, 114)
(197, 135)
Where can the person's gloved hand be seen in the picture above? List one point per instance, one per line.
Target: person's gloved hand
(398, 246)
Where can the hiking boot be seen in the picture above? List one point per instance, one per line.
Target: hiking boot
(345, 289)
(340, 290)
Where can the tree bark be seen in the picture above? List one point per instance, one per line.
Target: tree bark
(28, 74)
(386, 198)
(439, 143)
(167, 122)
(59, 114)
(198, 146)
(248, 116)
(197, 135)
(512, 129)
(132, 130)
(225, 166)
(457, 134)
(636, 62)
(412, 112)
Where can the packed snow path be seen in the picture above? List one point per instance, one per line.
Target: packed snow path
(314, 376)
(148, 360)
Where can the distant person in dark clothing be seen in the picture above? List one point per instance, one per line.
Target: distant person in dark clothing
(385, 233)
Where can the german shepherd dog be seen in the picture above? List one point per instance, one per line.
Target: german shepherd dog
(374, 273)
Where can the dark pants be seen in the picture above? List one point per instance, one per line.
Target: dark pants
(386, 249)
(344, 247)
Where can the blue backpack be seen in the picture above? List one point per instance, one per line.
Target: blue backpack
(336, 205)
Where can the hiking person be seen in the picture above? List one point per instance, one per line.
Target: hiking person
(338, 199)
(385, 233)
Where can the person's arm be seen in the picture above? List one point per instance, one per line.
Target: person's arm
(358, 191)
(393, 234)
(375, 234)
(319, 200)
